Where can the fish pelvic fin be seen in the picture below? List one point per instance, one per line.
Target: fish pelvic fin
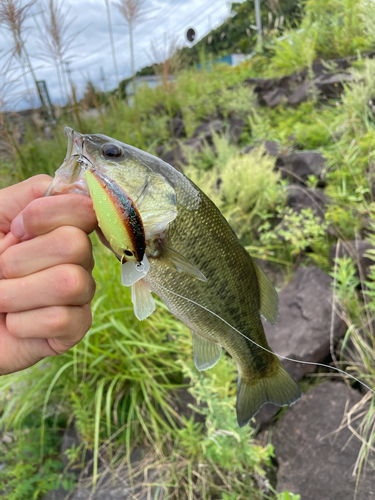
(279, 389)
(269, 300)
(206, 352)
(143, 301)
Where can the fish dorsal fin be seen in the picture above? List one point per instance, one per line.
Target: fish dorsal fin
(143, 301)
(269, 300)
(181, 263)
(206, 353)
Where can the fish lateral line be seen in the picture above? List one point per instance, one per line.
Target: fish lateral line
(260, 346)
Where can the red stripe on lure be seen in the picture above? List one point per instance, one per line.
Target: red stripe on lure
(117, 215)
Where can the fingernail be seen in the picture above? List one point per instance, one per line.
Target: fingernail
(17, 227)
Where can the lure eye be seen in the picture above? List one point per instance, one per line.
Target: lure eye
(128, 253)
(111, 151)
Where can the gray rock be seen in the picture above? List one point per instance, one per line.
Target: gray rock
(332, 85)
(59, 494)
(299, 166)
(300, 94)
(236, 126)
(314, 460)
(357, 251)
(303, 328)
(206, 131)
(175, 157)
(274, 97)
(178, 127)
(260, 84)
(70, 440)
(300, 198)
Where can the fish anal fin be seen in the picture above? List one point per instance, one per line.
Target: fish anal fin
(143, 301)
(269, 300)
(175, 259)
(206, 352)
(279, 389)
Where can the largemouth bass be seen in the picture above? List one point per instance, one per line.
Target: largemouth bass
(195, 263)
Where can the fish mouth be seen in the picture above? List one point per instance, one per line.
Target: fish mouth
(69, 177)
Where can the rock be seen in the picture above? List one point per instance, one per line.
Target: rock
(274, 97)
(260, 84)
(357, 251)
(314, 460)
(236, 126)
(332, 85)
(303, 328)
(178, 128)
(70, 440)
(300, 198)
(299, 166)
(175, 157)
(300, 94)
(59, 494)
(121, 489)
(206, 131)
(182, 399)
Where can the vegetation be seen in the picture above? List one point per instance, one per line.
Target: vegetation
(119, 387)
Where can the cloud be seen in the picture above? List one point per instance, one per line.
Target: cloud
(90, 55)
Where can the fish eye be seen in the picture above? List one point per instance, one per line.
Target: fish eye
(111, 151)
(128, 253)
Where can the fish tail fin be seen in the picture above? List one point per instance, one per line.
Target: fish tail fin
(279, 389)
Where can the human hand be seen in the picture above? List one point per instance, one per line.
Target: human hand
(46, 261)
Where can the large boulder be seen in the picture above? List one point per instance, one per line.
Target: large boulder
(304, 325)
(301, 165)
(316, 460)
(303, 330)
(206, 131)
(300, 198)
(332, 85)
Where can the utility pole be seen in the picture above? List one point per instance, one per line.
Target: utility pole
(258, 21)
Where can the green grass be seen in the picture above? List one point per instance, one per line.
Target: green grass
(117, 386)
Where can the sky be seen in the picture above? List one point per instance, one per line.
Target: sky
(90, 54)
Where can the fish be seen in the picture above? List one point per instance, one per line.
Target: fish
(193, 261)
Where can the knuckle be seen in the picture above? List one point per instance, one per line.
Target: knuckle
(33, 213)
(4, 297)
(72, 243)
(11, 325)
(57, 319)
(73, 283)
(5, 265)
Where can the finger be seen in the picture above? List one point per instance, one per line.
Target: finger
(62, 285)
(64, 245)
(7, 241)
(18, 354)
(46, 214)
(63, 326)
(15, 198)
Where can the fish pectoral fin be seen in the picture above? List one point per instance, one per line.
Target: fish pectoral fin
(175, 259)
(269, 300)
(206, 352)
(143, 301)
(156, 223)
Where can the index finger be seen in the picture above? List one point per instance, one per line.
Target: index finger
(14, 199)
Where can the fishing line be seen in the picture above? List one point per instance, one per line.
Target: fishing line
(258, 345)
